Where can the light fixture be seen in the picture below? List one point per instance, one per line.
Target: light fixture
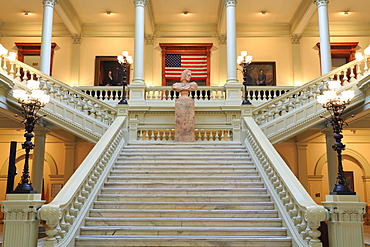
(244, 60)
(26, 12)
(185, 13)
(336, 103)
(125, 60)
(345, 12)
(108, 12)
(31, 102)
(263, 12)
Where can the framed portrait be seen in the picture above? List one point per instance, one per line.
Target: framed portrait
(262, 74)
(348, 175)
(108, 71)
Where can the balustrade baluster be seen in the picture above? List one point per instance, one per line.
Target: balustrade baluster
(352, 75)
(345, 78)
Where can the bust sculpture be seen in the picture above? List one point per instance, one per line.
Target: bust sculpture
(185, 84)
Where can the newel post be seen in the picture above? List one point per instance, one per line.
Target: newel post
(346, 220)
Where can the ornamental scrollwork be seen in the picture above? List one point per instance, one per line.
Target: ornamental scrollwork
(314, 215)
(51, 214)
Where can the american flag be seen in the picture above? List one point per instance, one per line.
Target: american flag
(176, 63)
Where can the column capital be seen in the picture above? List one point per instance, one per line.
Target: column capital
(140, 3)
(222, 39)
(229, 3)
(296, 38)
(77, 38)
(50, 3)
(320, 3)
(149, 39)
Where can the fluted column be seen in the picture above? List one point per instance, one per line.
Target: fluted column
(47, 29)
(231, 40)
(76, 57)
(37, 174)
(139, 41)
(325, 53)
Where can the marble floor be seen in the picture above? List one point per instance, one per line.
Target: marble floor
(41, 240)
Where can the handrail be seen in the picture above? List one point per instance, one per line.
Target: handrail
(301, 214)
(65, 214)
(306, 93)
(20, 72)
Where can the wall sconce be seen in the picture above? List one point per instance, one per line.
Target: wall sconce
(263, 12)
(185, 13)
(345, 12)
(108, 12)
(26, 12)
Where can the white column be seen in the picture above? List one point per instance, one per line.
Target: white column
(37, 174)
(231, 40)
(325, 54)
(331, 157)
(139, 41)
(297, 66)
(75, 59)
(137, 86)
(232, 86)
(346, 226)
(47, 29)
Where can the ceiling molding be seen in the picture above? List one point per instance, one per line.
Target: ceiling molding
(69, 16)
(340, 29)
(302, 17)
(30, 29)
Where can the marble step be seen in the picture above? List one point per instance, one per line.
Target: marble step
(181, 178)
(200, 159)
(266, 205)
(182, 166)
(183, 213)
(183, 231)
(183, 155)
(183, 222)
(184, 241)
(184, 191)
(192, 151)
(202, 184)
(213, 173)
(183, 198)
(184, 145)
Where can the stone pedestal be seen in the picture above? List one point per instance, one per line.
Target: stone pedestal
(346, 220)
(20, 219)
(184, 118)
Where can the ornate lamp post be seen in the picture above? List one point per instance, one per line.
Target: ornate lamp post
(244, 61)
(125, 60)
(31, 102)
(335, 104)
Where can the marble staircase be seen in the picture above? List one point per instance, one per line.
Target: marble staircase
(182, 194)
